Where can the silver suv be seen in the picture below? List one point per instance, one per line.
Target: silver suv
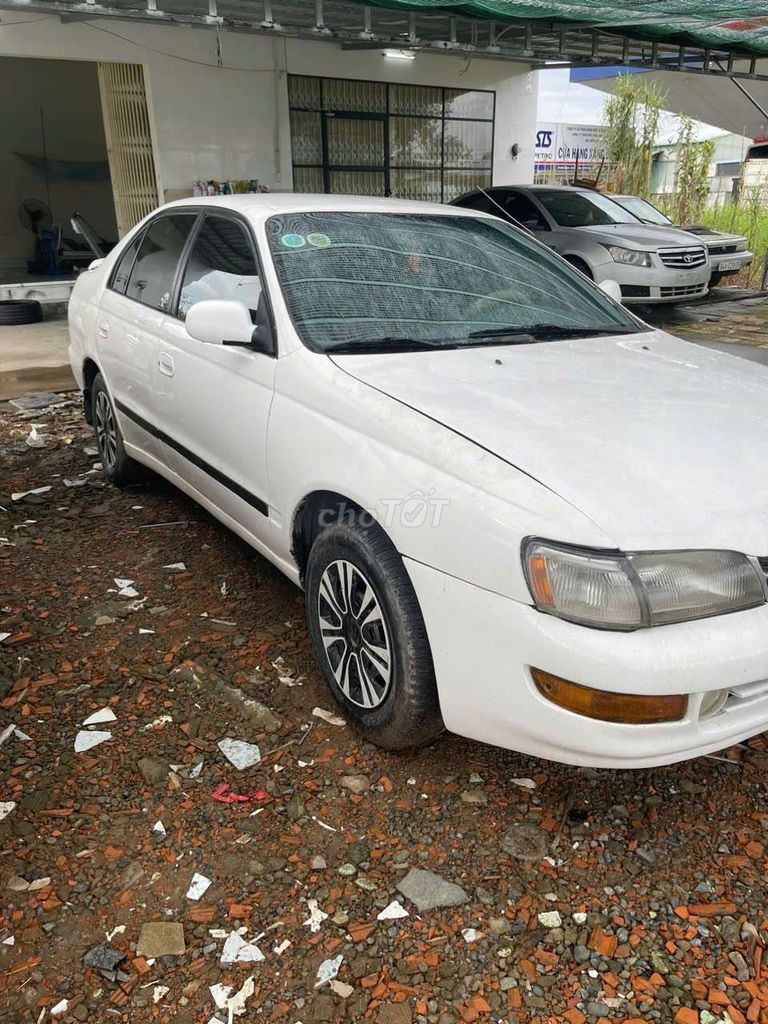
(648, 263)
(728, 253)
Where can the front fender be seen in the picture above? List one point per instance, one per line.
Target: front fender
(443, 500)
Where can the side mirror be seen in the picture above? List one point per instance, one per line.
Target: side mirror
(218, 321)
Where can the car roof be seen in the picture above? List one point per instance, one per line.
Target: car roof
(265, 204)
(538, 188)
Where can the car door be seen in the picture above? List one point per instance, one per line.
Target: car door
(130, 317)
(214, 400)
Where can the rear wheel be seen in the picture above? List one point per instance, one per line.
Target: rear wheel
(369, 637)
(119, 468)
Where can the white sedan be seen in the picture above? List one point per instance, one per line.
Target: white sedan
(517, 511)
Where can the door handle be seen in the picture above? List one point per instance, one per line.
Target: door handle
(103, 331)
(166, 365)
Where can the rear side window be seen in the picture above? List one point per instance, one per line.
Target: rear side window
(123, 270)
(221, 265)
(152, 277)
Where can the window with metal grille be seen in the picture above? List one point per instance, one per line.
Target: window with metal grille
(376, 138)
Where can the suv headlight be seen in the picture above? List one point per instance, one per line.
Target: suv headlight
(628, 591)
(631, 257)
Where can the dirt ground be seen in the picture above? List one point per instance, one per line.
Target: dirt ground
(583, 895)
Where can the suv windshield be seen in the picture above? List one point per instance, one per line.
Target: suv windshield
(401, 280)
(582, 209)
(642, 209)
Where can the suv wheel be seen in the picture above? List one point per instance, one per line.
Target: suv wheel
(369, 637)
(120, 469)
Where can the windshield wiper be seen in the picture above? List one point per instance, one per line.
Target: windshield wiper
(387, 344)
(543, 331)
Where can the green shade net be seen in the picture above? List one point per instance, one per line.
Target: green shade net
(741, 25)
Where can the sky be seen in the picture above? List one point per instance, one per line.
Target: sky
(571, 103)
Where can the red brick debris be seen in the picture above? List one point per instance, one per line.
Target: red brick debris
(652, 884)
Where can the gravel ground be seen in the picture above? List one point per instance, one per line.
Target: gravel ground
(526, 891)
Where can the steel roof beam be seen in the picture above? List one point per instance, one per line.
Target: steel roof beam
(539, 42)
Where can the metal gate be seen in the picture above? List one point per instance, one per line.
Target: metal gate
(129, 142)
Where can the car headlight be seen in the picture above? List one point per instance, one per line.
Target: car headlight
(629, 591)
(631, 257)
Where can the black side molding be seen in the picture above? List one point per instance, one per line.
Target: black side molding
(215, 474)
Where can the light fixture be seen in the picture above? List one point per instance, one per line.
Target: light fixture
(399, 54)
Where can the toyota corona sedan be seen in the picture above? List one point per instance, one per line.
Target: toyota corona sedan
(517, 512)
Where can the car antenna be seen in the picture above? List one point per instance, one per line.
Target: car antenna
(507, 216)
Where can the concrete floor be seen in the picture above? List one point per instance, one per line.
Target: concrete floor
(33, 357)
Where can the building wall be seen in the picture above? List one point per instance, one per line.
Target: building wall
(232, 121)
(728, 148)
(61, 99)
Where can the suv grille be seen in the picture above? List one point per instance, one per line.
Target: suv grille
(721, 250)
(684, 259)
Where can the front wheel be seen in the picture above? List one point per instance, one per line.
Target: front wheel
(369, 636)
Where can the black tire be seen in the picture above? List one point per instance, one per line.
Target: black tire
(119, 468)
(20, 311)
(579, 264)
(716, 278)
(408, 712)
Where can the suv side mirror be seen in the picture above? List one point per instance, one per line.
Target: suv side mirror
(227, 322)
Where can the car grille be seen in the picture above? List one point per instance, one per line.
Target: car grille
(684, 259)
(721, 250)
(681, 291)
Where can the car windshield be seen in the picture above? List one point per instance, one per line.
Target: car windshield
(642, 209)
(355, 279)
(582, 209)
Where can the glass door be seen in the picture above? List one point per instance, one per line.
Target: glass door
(355, 156)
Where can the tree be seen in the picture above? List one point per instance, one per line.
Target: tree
(693, 160)
(631, 118)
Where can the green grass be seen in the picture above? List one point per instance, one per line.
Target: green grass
(749, 219)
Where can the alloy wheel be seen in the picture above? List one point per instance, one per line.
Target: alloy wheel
(106, 430)
(355, 634)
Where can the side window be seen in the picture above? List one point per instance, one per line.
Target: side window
(478, 201)
(123, 269)
(221, 265)
(151, 280)
(525, 212)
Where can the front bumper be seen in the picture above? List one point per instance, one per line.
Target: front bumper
(484, 645)
(732, 261)
(655, 284)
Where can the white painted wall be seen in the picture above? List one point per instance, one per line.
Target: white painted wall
(68, 95)
(232, 121)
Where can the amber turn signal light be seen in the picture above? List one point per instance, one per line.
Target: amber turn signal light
(624, 708)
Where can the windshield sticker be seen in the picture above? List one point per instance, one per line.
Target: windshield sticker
(318, 240)
(293, 241)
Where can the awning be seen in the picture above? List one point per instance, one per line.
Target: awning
(739, 106)
(742, 24)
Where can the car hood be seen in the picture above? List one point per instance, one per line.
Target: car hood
(660, 442)
(637, 236)
(707, 235)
